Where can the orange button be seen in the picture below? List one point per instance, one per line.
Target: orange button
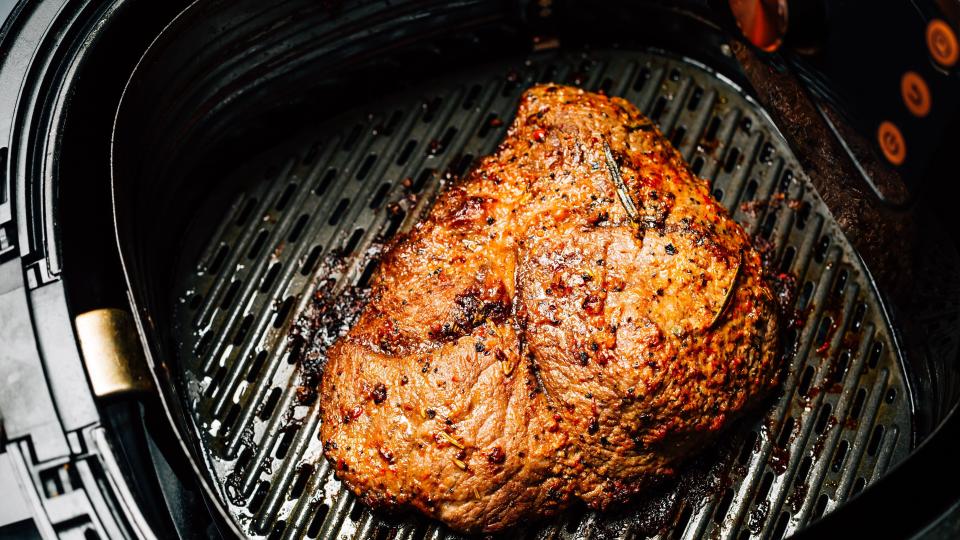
(891, 142)
(942, 43)
(915, 93)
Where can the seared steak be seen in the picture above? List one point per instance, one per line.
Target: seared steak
(571, 320)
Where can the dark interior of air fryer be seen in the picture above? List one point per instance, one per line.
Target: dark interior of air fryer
(276, 149)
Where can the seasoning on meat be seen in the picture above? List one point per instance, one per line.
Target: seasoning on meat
(570, 321)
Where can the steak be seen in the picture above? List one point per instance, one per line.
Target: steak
(571, 320)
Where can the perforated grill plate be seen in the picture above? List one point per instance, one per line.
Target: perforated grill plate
(844, 415)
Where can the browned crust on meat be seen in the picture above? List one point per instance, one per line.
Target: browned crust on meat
(529, 344)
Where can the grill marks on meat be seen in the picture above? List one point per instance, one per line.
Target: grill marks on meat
(529, 344)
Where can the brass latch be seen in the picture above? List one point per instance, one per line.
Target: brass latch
(112, 352)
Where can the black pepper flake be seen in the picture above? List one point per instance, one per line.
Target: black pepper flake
(584, 358)
(478, 346)
(588, 395)
(379, 393)
(593, 427)
(594, 346)
(431, 413)
(490, 221)
(670, 249)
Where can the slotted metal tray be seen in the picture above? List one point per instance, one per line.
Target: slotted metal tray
(307, 222)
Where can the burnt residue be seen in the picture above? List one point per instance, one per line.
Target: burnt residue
(758, 516)
(660, 507)
(329, 315)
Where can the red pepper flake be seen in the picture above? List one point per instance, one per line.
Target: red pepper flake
(355, 413)
(539, 135)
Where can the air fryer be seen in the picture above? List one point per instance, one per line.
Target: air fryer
(194, 193)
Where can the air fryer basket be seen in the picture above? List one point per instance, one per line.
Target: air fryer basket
(263, 154)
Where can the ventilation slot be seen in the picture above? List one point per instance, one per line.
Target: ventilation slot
(840, 456)
(820, 254)
(712, 129)
(269, 278)
(781, 527)
(285, 197)
(311, 262)
(256, 502)
(365, 167)
(406, 152)
(338, 211)
(298, 228)
(695, 98)
(787, 260)
(230, 295)
(421, 181)
(380, 196)
(875, 352)
(766, 153)
(325, 182)
(392, 124)
(731, 163)
(278, 529)
(283, 312)
(471, 99)
(724, 505)
(697, 165)
(352, 138)
(218, 259)
(823, 419)
(353, 242)
(245, 212)
(303, 477)
(270, 404)
(285, 441)
(257, 244)
(658, 108)
(430, 109)
(243, 329)
(857, 405)
(492, 121)
(319, 516)
(677, 138)
(254, 370)
(642, 77)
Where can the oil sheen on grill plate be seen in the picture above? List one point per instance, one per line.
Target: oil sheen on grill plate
(287, 270)
(570, 321)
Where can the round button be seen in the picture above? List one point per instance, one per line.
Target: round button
(942, 43)
(915, 93)
(891, 142)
